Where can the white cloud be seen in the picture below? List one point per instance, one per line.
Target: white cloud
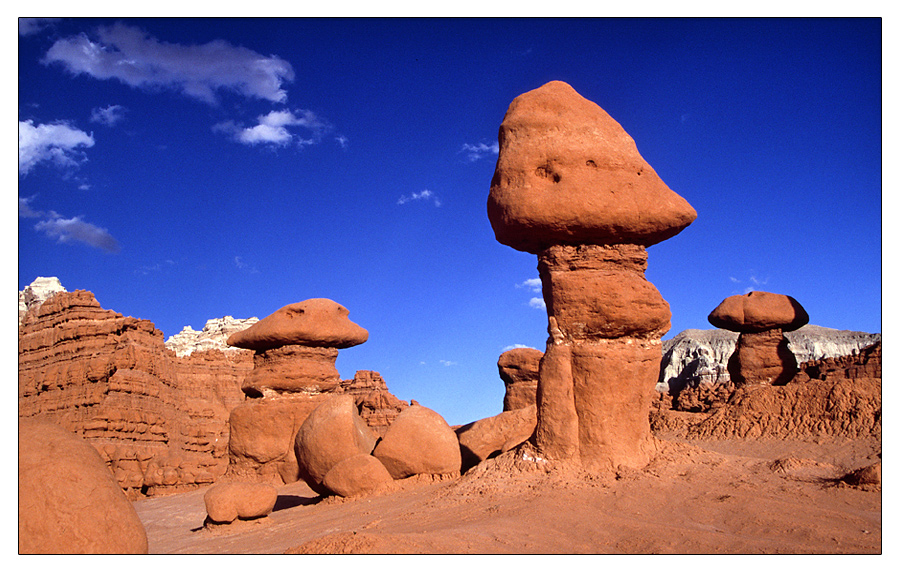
(537, 303)
(447, 363)
(533, 284)
(274, 128)
(75, 229)
(57, 143)
(342, 141)
(109, 115)
(422, 196)
(514, 347)
(476, 152)
(139, 60)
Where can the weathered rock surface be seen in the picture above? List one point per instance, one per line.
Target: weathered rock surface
(69, 501)
(756, 312)
(419, 442)
(491, 436)
(568, 173)
(356, 475)
(227, 502)
(36, 293)
(213, 336)
(519, 369)
(292, 369)
(332, 432)
(571, 187)
(377, 406)
(318, 322)
(110, 379)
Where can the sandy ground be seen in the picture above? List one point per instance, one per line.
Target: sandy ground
(696, 497)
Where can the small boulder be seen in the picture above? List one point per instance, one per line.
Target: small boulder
(226, 502)
(485, 438)
(318, 322)
(356, 475)
(870, 475)
(332, 432)
(419, 442)
(69, 500)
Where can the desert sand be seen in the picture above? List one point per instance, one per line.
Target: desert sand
(695, 497)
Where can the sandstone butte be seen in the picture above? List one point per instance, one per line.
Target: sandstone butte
(571, 187)
(761, 355)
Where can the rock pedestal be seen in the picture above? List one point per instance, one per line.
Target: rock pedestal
(519, 369)
(571, 187)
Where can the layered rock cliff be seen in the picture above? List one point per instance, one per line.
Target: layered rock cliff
(35, 293)
(211, 337)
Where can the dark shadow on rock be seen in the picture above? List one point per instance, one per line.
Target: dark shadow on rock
(290, 501)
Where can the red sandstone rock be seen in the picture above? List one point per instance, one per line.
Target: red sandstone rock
(519, 369)
(111, 379)
(318, 322)
(330, 434)
(491, 436)
(377, 406)
(758, 312)
(69, 502)
(292, 369)
(227, 502)
(356, 475)
(762, 358)
(419, 442)
(569, 174)
(571, 187)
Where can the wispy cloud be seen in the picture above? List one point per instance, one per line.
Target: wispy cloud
(56, 143)
(73, 229)
(135, 58)
(476, 152)
(425, 195)
(534, 285)
(447, 363)
(514, 347)
(109, 115)
(242, 265)
(274, 129)
(158, 267)
(342, 141)
(754, 282)
(31, 26)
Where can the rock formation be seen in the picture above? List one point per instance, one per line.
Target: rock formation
(213, 336)
(37, 292)
(227, 502)
(294, 371)
(491, 436)
(761, 355)
(694, 368)
(377, 406)
(160, 422)
(419, 442)
(519, 369)
(571, 187)
(69, 502)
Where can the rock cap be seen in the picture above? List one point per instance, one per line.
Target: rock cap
(317, 322)
(568, 173)
(758, 312)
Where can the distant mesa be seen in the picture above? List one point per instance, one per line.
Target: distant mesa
(318, 322)
(568, 173)
(213, 336)
(571, 187)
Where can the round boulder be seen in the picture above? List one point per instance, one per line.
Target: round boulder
(69, 500)
(757, 312)
(226, 502)
(419, 442)
(332, 432)
(356, 475)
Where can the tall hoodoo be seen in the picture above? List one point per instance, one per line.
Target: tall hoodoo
(571, 187)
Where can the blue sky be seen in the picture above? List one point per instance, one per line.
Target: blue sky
(186, 169)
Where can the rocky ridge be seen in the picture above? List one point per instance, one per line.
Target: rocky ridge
(696, 357)
(35, 293)
(211, 337)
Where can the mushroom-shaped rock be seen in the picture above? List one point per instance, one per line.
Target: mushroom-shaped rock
(356, 475)
(332, 432)
(69, 501)
(568, 173)
(487, 437)
(318, 322)
(519, 369)
(571, 187)
(419, 442)
(758, 312)
(226, 502)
